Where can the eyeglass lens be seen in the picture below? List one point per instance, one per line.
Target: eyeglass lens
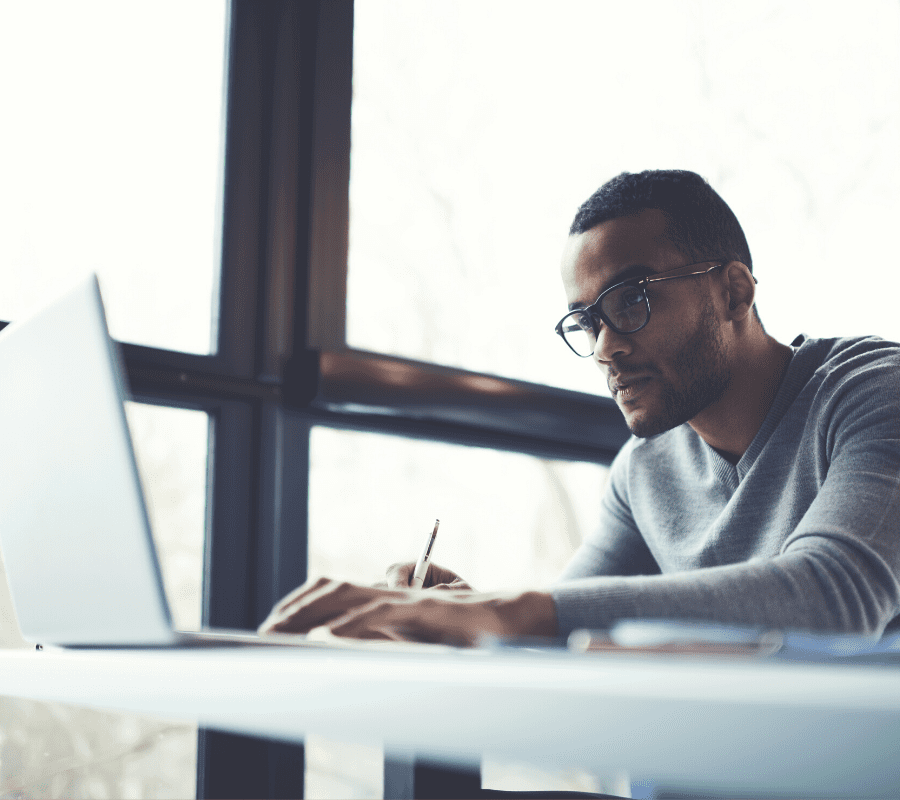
(625, 307)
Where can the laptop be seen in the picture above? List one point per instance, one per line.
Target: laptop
(74, 531)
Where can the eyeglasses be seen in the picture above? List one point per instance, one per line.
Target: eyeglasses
(623, 307)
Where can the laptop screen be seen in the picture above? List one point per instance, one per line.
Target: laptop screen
(74, 530)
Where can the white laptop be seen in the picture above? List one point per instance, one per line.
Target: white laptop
(74, 531)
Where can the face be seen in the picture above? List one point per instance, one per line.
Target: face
(677, 366)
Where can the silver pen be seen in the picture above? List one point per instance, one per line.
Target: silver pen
(418, 576)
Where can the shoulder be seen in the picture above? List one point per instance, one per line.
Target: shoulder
(841, 354)
(850, 385)
(840, 364)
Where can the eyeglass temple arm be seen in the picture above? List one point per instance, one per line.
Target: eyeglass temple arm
(686, 275)
(689, 274)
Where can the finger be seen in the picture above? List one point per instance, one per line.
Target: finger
(398, 575)
(458, 585)
(418, 619)
(302, 615)
(362, 622)
(384, 620)
(290, 600)
(312, 588)
(319, 605)
(442, 575)
(437, 575)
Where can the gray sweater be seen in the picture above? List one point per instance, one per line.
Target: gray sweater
(802, 533)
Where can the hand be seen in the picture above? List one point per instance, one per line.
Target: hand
(398, 576)
(367, 612)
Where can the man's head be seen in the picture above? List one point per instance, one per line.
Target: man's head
(700, 223)
(639, 226)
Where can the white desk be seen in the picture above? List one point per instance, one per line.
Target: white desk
(777, 727)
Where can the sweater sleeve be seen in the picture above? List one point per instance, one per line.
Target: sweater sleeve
(616, 546)
(838, 570)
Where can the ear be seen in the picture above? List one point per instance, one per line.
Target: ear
(740, 290)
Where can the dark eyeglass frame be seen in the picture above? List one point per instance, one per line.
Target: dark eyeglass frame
(593, 311)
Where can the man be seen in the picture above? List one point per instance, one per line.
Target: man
(762, 483)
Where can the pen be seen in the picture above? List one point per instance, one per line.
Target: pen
(418, 576)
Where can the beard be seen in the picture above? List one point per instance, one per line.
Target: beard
(702, 363)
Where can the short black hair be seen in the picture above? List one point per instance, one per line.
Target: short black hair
(701, 225)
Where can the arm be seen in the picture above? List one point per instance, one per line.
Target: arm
(616, 547)
(456, 614)
(836, 570)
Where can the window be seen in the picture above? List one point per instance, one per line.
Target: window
(508, 521)
(171, 447)
(111, 160)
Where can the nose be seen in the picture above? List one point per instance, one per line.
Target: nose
(610, 345)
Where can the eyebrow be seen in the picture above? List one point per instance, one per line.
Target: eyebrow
(629, 273)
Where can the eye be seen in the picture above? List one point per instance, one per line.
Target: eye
(583, 321)
(631, 296)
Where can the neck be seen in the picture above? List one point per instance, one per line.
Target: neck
(731, 423)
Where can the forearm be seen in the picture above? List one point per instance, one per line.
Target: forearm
(809, 589)
(460, 618)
